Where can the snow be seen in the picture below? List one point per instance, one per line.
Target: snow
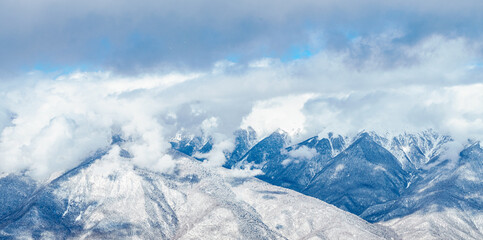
(296, 216)
(109, 197)
(446, 224)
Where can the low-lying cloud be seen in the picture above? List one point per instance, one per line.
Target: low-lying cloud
(52, 123)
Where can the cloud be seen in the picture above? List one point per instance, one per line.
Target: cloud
(452, 110)
(59, 123)
(281, 112)
(303, 153)
(208, 125)
(430, 86)
(223, 144)
(51, 123)
(121, 36)
(217, 156)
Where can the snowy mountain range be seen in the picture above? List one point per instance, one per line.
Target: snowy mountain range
(404, 181)
(366, 186)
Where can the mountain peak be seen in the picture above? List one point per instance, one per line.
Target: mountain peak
(280, 131)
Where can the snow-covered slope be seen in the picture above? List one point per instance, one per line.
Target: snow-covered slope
(245, 139)
(413, 150)
(445, 201)
(299, 164)
(361, 176)
(191, 144)
(441, 224)
(296, 216)
(267, 151)
(399, 180)
(109, 198)
(403, 184)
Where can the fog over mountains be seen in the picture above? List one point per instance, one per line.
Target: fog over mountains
(96, 156)
(253, 119)
(191, 156)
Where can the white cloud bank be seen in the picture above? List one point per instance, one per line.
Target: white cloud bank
(52, 124)
(59, 123)
(280, 112)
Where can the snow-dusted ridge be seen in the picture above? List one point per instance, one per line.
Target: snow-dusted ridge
(415, 195)
(390, 178)
(108, 197)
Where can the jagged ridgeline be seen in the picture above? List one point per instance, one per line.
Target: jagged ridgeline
(403, 180)
(365, 186)
(106, 197)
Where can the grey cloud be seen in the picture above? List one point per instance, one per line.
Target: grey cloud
(128, 37)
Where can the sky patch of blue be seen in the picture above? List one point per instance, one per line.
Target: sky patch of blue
(351, 35)
(298, 52)
(233, 58)
(58, 70)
